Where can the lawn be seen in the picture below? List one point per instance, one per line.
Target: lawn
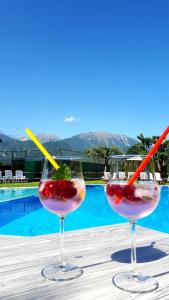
(34, 184)
(19, 184)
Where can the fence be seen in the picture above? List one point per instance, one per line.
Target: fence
(30, 161)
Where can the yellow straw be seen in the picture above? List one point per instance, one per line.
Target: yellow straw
(42, 148)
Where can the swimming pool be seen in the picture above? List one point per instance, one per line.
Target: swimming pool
(25, 216)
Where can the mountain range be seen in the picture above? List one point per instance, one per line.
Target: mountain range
(78, 142)
(43, 138)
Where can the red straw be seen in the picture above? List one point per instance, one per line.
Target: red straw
(146, 160)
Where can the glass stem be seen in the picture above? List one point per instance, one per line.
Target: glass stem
(134, 271)
(62, 263)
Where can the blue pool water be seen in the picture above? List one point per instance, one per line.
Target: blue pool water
(15, 193)
(24, 214)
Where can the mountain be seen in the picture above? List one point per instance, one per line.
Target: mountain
(86, 140)
(43, 138)
(5, 138)
(53, 143)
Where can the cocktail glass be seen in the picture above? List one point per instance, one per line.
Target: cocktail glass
(62, 191)
(133, 202)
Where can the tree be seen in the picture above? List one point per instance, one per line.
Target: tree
(137, 149)
(141, 138)
(154, 139)
(161, 157)
(103, 152)
(146, 141)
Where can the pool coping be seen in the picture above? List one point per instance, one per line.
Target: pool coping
(36, 187)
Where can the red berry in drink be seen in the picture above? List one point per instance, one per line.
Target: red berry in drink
(62, 189)
(129, 192)
(114, 190)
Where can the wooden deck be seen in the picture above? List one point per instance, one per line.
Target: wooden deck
(101, 251)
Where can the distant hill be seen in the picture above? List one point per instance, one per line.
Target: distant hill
(6, 138)
(53, 143)
(83, 141)
(43, 138)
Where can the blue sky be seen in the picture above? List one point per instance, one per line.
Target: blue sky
(72, 66)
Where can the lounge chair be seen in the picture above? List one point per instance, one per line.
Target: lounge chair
(115, 176)
(143, 176)
(8, 176)
(158, 177)
(122, 175)
(106, 176)
(19, 175)
(130, 174)
(146, 176)
(1, 177)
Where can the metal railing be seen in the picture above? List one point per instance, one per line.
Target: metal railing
(8, 160)
(35, 154)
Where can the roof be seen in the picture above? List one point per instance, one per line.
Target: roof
(137, 157)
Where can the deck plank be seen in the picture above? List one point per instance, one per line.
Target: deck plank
(101, 251)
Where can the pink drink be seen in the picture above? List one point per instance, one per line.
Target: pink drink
(62, 196)
(137, 201)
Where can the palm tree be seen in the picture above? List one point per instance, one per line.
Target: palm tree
(137, 149)
(161, 158)
(148, 142)
(154, 139)
(103, 152)
(141, 138)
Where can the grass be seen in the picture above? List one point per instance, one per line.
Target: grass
(94, 182)
(35, 183)
(19, 184)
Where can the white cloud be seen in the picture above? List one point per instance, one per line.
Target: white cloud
(71, 119)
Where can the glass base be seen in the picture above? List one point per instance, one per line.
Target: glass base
(56, 272)
(135, 284)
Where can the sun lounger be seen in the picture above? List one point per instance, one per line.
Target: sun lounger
(1, 177)
(115, 176)
(146, 176)
(143, 176)
(8, 176)
(158, 177)
(106, 176)
(122, 175)
(130, 174)
(19, 175)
